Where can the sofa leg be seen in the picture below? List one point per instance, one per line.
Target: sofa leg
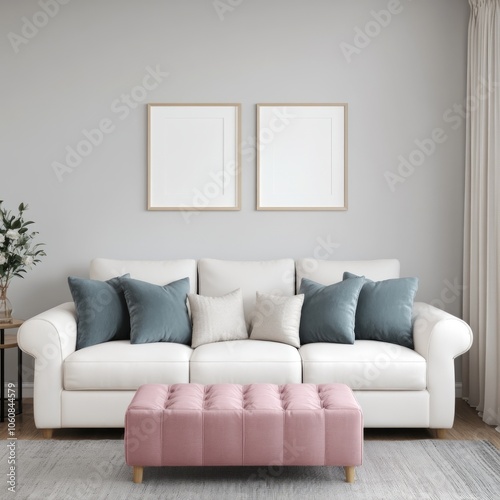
(349, 473)
(47, 433)
(138, 470)
(441, 433)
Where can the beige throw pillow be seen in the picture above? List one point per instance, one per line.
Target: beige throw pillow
(216, 319)
(277, 318)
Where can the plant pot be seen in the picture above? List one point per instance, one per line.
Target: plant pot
(5, 306)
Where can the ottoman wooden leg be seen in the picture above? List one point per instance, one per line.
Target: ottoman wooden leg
(349, 474)
(138, 470)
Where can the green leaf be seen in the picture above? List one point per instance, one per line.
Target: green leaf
(16, 250)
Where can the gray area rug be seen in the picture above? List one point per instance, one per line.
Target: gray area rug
(400, 470)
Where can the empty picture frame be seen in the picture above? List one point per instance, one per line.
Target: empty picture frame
(302, 156)
(194, 157)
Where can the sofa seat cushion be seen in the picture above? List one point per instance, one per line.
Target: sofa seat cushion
(245, 362)
(120, 365)
(365, 365)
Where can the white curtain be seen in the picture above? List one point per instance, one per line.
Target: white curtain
(481, 299)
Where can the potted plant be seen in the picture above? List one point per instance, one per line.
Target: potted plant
(18, 252)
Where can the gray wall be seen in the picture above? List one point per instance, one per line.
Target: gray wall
(402, 81)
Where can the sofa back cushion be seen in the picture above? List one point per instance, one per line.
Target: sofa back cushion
(158, 272)
(219, 277)
(327, 272)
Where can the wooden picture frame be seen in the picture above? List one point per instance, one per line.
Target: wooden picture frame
(302, 156)
(194, 156)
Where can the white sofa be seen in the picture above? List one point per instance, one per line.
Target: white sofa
(396, 386)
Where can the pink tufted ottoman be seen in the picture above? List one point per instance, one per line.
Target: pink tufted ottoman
(256, 424)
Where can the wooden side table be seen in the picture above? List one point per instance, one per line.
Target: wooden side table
(8, 341)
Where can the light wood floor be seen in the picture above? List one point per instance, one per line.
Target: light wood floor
(468, 426)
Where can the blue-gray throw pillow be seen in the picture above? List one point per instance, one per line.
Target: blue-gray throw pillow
(385, 309)
(158, 313)
(101, 310)
(329, 312)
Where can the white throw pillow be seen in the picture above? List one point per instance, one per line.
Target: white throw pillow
(277, 318)
(216, 319)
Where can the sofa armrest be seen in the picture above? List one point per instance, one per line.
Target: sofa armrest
(49, 337)
(440, 337)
